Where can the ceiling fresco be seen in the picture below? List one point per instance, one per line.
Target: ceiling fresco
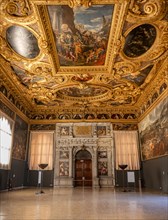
(81, 33)
(83, 92)
(87, 59)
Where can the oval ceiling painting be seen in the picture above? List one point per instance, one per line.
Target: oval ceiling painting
(22, 41)
(139, 40)
(88, 91)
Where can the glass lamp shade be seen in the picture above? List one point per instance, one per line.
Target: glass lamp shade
(43, 165)
(123, 166)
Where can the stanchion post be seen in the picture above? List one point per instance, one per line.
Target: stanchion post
(123, 167)
(42, 166)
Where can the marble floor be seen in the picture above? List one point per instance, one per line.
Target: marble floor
(82, 203)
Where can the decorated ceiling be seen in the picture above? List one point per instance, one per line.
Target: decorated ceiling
(83, 59)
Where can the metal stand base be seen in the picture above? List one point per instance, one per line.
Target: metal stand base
(40, 177)
(125, 190)
(39, 192)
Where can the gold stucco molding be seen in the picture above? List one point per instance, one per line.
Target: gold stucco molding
(17, 11)
(145, 10)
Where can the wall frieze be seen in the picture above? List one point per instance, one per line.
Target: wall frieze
(76, 141)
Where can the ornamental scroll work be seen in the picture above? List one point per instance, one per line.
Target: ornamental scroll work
(17, 8)
(78, 3)
(7, 52)
(142, 10)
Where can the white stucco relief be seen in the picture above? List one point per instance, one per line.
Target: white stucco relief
(67, 141)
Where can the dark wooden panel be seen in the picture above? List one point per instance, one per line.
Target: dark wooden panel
(83, 173)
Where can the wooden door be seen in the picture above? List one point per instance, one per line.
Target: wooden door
(83, 172)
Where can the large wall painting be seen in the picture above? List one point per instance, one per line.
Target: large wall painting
(20, 139)
(81, 33)
(154, 132)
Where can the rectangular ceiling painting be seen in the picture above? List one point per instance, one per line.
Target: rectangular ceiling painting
(81, 33)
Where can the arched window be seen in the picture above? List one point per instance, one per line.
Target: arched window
(6, 137)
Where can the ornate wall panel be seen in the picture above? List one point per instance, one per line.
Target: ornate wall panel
(20, 139)
(72, 138)
(154, 132)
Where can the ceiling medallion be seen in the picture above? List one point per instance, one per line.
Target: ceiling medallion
(22, 41)
(79, 3)
(139, 40)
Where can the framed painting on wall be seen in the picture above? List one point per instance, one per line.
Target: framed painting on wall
(20, 139)
(154, 132)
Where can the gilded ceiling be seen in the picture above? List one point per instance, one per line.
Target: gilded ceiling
(93, 58)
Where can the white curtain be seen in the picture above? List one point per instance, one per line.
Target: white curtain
(6, 137)
(41, 150)
(126, 144)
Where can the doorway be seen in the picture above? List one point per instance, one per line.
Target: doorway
(83, 169)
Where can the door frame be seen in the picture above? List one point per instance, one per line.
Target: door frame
(84, 182)
(75, 159)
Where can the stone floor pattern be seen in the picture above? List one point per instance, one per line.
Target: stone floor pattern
(82, 204)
